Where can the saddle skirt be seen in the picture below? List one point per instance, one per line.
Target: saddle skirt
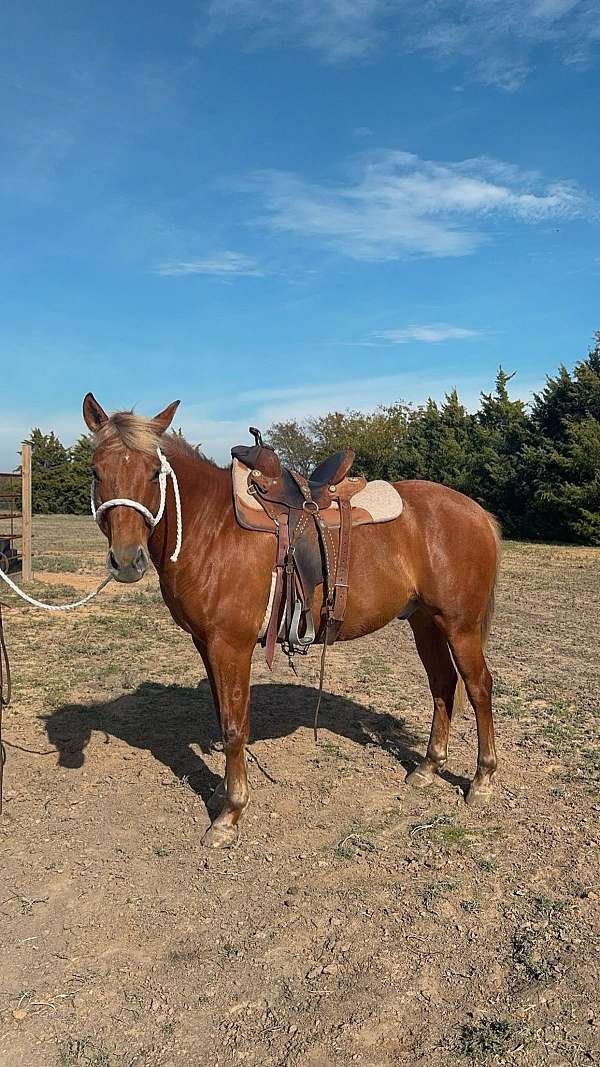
(371, 502)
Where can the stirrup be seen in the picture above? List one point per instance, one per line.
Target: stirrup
(294, 641)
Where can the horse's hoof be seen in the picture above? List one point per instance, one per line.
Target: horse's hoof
(221, 836)
(479, 795)
(419, 779)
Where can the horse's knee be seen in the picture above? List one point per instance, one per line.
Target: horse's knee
(234, 737)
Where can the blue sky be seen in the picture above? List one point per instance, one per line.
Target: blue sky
(360, 200)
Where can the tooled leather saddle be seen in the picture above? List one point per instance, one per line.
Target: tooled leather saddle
(312, 520)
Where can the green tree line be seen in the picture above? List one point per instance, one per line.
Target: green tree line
(60, 477)
(536, 466)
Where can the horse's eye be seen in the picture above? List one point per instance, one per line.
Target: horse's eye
(95, 474)
(155, 476)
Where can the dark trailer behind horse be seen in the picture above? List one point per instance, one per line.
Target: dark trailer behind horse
(11, 559)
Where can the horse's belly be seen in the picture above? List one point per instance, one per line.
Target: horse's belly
(380, 587)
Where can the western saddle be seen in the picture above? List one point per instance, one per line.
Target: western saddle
(312, 520)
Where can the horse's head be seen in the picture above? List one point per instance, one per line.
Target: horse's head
(126, 466)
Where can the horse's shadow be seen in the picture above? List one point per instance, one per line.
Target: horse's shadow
(168, 720)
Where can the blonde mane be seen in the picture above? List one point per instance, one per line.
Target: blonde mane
(125, 429)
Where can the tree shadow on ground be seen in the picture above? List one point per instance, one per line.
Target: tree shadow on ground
(168, 720)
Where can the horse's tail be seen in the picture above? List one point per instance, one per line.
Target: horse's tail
(460, 693)
(486, 625)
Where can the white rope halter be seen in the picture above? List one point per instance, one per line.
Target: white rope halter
(152, 520)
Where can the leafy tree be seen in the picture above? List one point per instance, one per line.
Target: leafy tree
(569, 396)
(502, 431)
(565, 463)
(50, 480)
(293, 442)
(80, 459)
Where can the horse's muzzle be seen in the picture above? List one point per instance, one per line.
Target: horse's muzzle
(128, 563)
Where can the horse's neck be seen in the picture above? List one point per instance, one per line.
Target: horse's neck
(206, 502)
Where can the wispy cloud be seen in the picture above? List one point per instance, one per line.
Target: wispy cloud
(432, 334)
(265, 406)
(498, 36)
(220, 265)
(338, 29)
(397, 205)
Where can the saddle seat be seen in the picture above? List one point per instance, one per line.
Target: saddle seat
(312, 519)
(282, 486)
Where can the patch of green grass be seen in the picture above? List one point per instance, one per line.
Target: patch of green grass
(375, 664)
(513, 708)
(159, 850)
(359, 892)
(434, 890)
(591, 758)
(563, 726)
(489, 1037)
(502, 688)
(486, 863)
(83, 1052)
(331, 749)
(453, 834)
(53, 594)
(354, 840)
(56, 564)
(108, 669)
(547, 906)
(469, 906)
(144, 596)
(582, 768)
(532, 965)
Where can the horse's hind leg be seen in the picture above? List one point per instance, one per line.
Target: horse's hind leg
(433, 650)
(467, 650)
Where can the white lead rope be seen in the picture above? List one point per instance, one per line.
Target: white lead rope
(54, 607)
(152, 520)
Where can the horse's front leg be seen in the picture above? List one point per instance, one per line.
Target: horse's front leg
(228, 670)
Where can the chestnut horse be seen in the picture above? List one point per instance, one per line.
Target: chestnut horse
(435, 565)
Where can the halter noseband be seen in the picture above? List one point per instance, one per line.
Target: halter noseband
(152, 520)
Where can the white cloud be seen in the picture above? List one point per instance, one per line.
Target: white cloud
(365, 394)
(398, 205)
(220, 265)
(201, 423)
(338, 29)
(431, 334)
(498, 36)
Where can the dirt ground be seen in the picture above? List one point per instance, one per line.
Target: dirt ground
(358, 921)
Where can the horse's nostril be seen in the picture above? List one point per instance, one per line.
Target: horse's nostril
(140, 559)
(112, 561)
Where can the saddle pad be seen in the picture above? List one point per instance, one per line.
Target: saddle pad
(378, 502)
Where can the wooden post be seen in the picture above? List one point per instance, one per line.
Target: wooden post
(27, 571)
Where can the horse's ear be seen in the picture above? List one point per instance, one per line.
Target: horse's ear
(164, 418)
(94, 415)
